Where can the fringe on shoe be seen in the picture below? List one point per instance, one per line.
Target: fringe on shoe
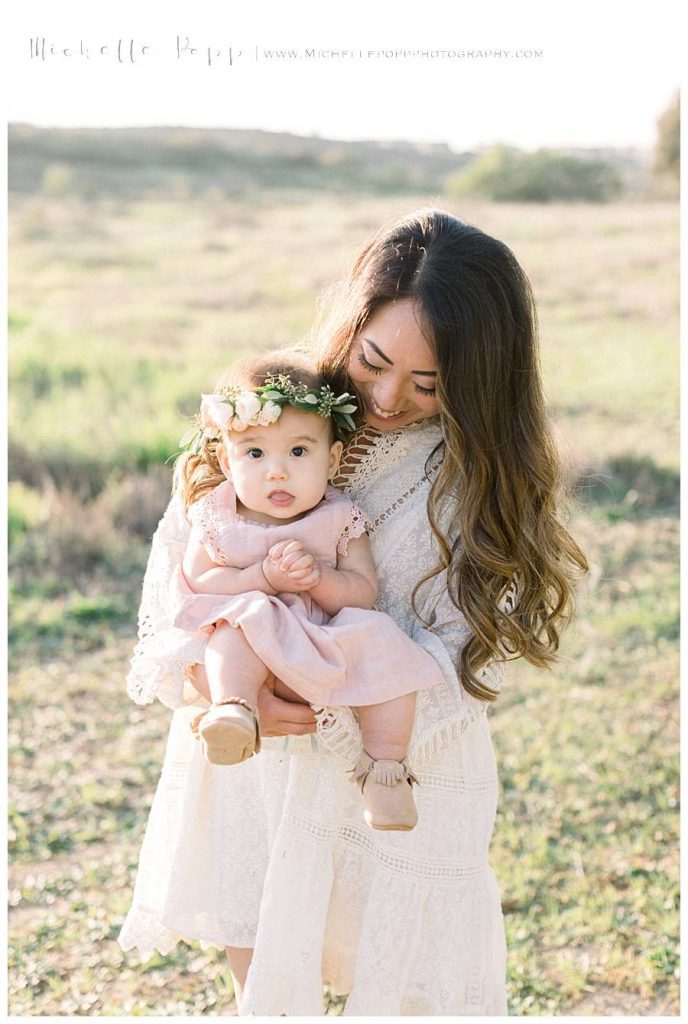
(385, 771)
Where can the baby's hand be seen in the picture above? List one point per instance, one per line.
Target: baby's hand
(281, 547)
(304, 570)
(273, 570)
(301, 566)
(289, 568)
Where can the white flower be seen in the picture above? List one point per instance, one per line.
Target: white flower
(270, 412)
(215, 412)
(247, 406)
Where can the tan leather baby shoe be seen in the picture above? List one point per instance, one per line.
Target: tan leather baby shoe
(388, 802)
(228, 731)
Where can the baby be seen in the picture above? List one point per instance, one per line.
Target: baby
(278, 572)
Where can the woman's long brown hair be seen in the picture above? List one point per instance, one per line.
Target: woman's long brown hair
(500, 463)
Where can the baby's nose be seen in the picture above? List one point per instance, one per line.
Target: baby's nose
(277, 470)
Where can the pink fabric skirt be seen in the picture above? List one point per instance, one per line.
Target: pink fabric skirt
(356, 657)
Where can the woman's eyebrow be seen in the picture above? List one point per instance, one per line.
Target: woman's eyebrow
(420, 373)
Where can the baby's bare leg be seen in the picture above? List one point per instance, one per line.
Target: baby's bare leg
(228, 732)
(387, 727)
(387, 794)
(233, 670)
(198, 678)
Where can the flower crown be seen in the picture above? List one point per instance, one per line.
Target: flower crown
(234, 408)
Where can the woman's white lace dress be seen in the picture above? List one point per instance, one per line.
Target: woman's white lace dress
(274, 853)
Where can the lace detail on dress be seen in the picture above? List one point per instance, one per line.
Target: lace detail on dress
(394, 862)
(338, 733)
(355, 452)
(205, 517)
(371, 450)
(358, 523)
(408, 493)
(162, 652)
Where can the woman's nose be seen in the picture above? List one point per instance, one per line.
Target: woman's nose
(387, 394)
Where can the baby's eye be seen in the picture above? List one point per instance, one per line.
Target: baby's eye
(299, 450)
(254, 453)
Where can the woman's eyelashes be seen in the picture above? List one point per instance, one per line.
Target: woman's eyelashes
(368, 366)
(378, 369)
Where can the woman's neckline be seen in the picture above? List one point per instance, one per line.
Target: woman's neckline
(427, 421)
(369, 443)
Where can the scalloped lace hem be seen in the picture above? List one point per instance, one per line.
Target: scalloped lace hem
(144, 932)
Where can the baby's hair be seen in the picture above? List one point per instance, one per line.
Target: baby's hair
(197, 474)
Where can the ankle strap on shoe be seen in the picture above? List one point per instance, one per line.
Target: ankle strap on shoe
(195, 722)
(237, 700)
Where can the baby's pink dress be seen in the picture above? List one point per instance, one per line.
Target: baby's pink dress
(356, 657)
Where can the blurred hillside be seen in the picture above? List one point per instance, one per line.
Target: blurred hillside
(138, 160)
(129, 162)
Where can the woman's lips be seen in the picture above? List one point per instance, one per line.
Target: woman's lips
(280, 497)
(380, 414)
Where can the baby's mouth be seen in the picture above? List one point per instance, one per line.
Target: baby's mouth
(280, 497)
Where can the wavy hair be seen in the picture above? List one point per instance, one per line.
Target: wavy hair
(500, 463)
(196, 474)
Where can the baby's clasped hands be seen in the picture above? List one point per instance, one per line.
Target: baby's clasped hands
(290, 568)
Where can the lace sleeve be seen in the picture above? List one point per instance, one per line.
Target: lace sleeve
(204, 518)
(447, 710)
(356, 525)
(160, 658)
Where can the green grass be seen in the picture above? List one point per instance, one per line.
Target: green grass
(123, 308)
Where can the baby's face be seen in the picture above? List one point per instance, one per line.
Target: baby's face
(280, 472)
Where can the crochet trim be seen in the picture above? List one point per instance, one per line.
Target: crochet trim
(357, 525)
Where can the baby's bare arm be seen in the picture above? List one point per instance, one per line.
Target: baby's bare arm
(352, 584)
(207, 577)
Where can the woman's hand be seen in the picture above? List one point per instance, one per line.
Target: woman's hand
(277, 717)
(281, 717)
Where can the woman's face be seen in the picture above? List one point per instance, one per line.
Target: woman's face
(393, 367)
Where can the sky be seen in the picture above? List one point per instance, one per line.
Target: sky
(525, 73)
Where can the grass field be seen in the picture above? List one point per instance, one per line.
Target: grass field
(121, 311)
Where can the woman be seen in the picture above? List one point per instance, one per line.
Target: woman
(455, 467)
